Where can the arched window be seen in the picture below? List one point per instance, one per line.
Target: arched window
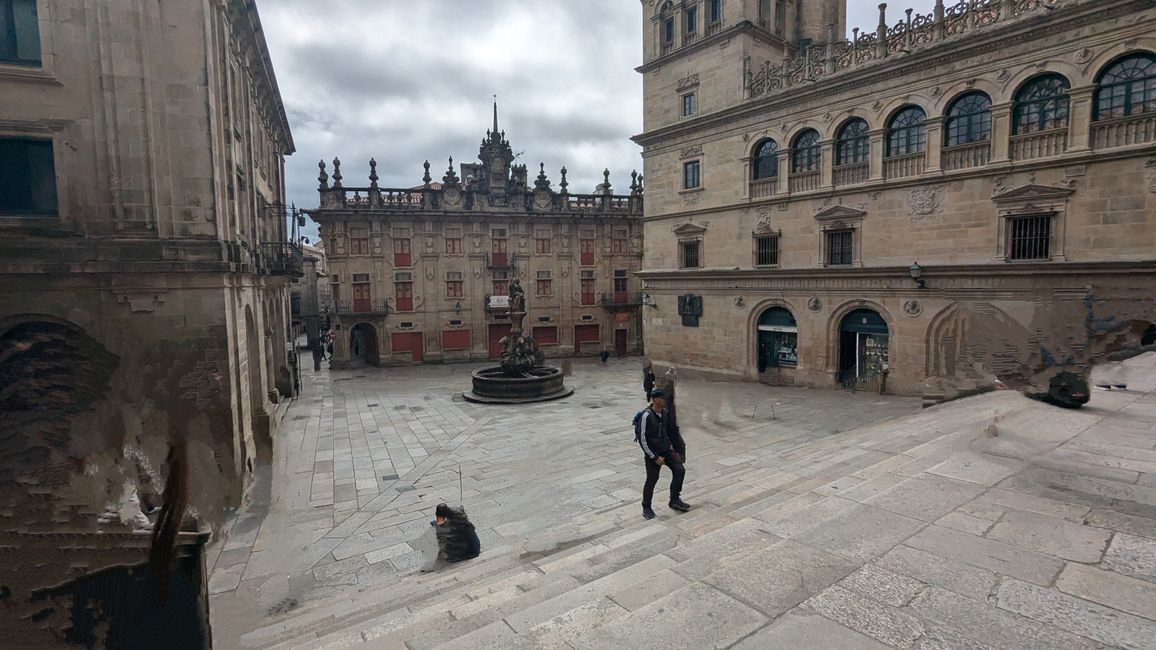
(808, 154)
(1127, 87)
(766, 160)
(854, 144)
(666, 23)
(907, 132)
(1041, 104)
(969, 119)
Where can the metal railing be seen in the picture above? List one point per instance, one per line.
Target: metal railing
(283, 258)
(366, 307)
(619, 299)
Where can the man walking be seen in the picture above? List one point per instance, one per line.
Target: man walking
(658, 449)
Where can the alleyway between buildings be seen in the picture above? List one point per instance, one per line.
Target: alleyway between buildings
(822, 519)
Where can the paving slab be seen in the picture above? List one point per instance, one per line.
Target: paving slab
(1110, 589)
(991, 626)
(801, 628)
(884, 586)
(871, 618)
(1051, 536)
(988, 554)
(926, 498)
(1132, 556)
(862, 533)
(1078, 616)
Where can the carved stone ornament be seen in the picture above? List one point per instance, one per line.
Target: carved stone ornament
(912, 308)
(1083, 56)
(429, 273)
(814, 304)
(763, 224)
(739, 301)
(936, 91)
(690, 200)
(923, 202)
(477, 273)
(1150, 175)
(690, 229)
(687, 82)
(1003, 75)
(695, 150)
(1075, 170)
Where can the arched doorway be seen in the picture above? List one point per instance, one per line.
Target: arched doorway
(863, 346)
(363, 344)
(778, 343)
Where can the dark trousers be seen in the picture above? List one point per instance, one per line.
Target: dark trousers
(652, 470)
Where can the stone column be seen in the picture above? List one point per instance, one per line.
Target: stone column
(878, 144)
(1080, 118)
(934, 145)
(1000, 132)
(828, 164)
(784, 182)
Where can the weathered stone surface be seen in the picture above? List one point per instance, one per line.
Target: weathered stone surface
(949, 574)
(1051, 536)
(649, 590)
(965, 523)
(862, 533)
(926, 498)
(1133, 556)
(693, 618)
(800, 628)
(989, 554)
(1109, 588)
(1124, 523)
(998, 497)
(780, 577)
(986, 624)
(882, 585)
(868, 617)
(977, 468)
(1078, 616)
(564, 628)
(799, 520)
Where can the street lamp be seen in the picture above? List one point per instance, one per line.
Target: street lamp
(647, 300)
(458, 307)
(916, 272)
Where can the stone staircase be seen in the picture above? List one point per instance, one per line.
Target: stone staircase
(563, 584)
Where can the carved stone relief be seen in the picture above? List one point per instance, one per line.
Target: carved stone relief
(814, 304)
(695, 150)
(923, 202)
(687, 82)
(912, 308)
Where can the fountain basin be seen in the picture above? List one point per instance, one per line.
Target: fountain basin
(493, 386)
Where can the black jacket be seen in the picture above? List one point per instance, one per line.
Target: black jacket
(458, 539)
(653, 437)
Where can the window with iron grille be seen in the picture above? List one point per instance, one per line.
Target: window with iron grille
(767, 250)
(1127, 87)
(907, 132)
(808, 152)
(19, 32)
(361, 277)
(545, 283)
(689, 254)
(359, 241)
(854, 145)
(454, 284)
(969, 119)
(839, 245)
(691, 175)
(27, 177)
(1041, 104)
(1030, 238)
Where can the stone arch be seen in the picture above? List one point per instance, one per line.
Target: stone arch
(792, 133)
(752, 348)
(364, 343)
(945, 341)
(1105, 58)
(892, 107)
(956, 90)
(1027, 73)
(833, 330)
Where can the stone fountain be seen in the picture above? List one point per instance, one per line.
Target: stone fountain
(522, 376)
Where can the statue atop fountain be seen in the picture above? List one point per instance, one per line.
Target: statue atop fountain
(523, 375)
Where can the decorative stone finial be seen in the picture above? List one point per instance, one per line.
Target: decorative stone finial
(336, 173)
(426, 178)
(563, 184)
(883, 14)
(322, 178)
(542, 183)
(373, 173)
(451, 178)
(634, 180)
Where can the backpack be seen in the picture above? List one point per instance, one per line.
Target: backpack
(635, 422)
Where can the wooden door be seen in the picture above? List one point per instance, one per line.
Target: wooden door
(498, 252)
(497, 331)
(361, 298)
(404, 296)
(586, 250)
(620, 343)
(586, 338)
(411, 342)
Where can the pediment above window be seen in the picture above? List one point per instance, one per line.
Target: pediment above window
(689, 230)
(839, 213)
(1033, 192)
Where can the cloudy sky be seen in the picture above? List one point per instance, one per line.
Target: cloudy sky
(404, 82)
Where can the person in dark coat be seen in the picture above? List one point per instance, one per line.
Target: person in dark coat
(647, 378)
(457, 539)
(658, 450)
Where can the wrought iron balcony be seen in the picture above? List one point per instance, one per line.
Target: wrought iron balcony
(619, 299)
(364, 308)
(283, 258)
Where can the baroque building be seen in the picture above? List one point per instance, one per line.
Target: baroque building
(144, 288)
(420, 275)
(937, 202)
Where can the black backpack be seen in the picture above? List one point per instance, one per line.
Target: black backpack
(637, 422)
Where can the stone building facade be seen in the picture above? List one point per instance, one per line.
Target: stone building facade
(310, 301)
(942, 200)
(144, 274)
(419, 275)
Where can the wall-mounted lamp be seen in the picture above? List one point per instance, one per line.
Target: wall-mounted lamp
(458, 307)
(916, 272)
(647, 300)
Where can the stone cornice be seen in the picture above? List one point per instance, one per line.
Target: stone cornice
(812, 276)
(985, 41)
(249, 28)
(743, 27)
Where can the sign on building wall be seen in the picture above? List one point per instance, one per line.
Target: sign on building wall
(690, 308)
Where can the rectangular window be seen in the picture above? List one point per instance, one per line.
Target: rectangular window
(1030, 237)
(501, 283)
(715, 11)
(668, 31)
(691, 20)
(690, 254)
(542, 243)
(27, 177)
(688, 107)
(588, 290)
(19, 32)
(359, 241)
(620, 245)
(401, 252)
(453, 241)
(361, 277)
(621, 286)
(767, 250)
(454, 284)
(545, 284)
(691, 175)
(586, 252)
(839, 247)
(498, 247)
(403, 290)
(361, 295)
(545, 335)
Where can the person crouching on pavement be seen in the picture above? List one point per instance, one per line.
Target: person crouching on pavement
(457, 539)
(658, 450)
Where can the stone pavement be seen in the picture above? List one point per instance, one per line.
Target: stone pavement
(822, 519)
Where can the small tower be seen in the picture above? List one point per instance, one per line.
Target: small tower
(496, 156)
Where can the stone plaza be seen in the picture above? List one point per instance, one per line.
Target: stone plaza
(822, 519)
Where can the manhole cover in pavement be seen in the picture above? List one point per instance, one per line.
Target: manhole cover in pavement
(389, 477)
(371, 405)
(405, 488)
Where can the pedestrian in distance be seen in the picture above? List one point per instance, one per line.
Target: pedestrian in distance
(658, 451)
(647, 378)
(318, 354)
